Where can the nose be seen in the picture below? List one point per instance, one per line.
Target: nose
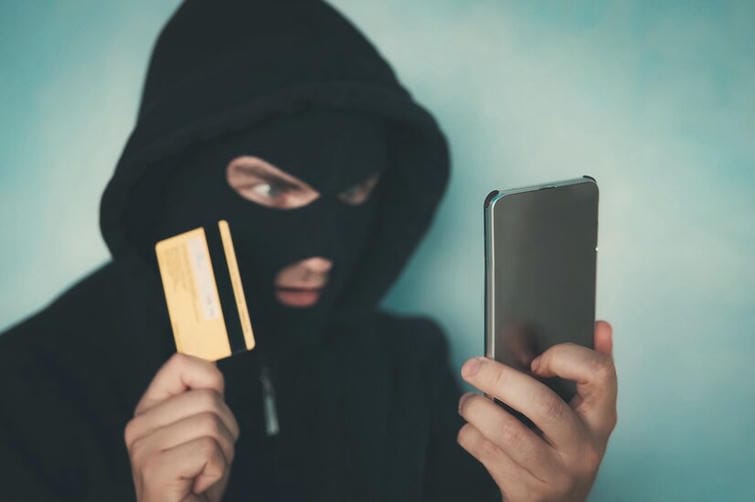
(317, 264)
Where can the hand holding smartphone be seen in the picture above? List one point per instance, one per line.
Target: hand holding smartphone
(540, 249)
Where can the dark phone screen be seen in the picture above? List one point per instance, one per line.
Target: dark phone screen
(543, 246)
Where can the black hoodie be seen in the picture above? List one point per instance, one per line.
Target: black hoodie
(367, 411)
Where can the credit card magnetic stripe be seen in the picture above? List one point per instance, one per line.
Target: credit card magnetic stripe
(232, 314)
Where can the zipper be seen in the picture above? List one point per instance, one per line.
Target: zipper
(268, 402)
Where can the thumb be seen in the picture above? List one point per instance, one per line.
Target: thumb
(604, 338)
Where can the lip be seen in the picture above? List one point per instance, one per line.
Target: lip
(298, 297)
(300, 288)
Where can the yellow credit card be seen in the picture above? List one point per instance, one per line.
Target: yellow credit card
(203, 292)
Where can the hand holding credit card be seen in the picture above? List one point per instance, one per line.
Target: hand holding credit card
(204, 294)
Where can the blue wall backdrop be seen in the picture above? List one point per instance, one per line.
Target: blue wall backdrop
(654, 99)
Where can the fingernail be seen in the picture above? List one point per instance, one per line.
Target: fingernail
(471, 367)
(535, 363)
(461, 401)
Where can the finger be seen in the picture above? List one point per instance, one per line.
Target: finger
(216, 491)
(516, 440)
(180, 373)
(189, 467)
(182, 431)
(557, 421)
(505, 472)
(604, 338)
(595, 375)
(178, 407)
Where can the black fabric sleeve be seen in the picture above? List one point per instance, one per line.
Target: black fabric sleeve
(451, 474)
(21, 476)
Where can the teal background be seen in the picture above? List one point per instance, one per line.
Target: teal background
(654, 99)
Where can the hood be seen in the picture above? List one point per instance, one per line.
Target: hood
(224, 66)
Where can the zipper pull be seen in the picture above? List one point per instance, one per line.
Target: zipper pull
(268, 402)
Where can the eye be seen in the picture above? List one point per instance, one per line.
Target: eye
(351, 193)
(275, 194)
(270, 190)
(270, 193)
(359, 193)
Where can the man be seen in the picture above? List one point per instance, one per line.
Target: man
(280, 117)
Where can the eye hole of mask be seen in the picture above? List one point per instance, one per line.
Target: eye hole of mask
(359, 193)
(259, 181)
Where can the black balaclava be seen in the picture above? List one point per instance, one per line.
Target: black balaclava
(210, 75)
(331, 151)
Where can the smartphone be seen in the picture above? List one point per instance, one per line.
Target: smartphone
(540, 270)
